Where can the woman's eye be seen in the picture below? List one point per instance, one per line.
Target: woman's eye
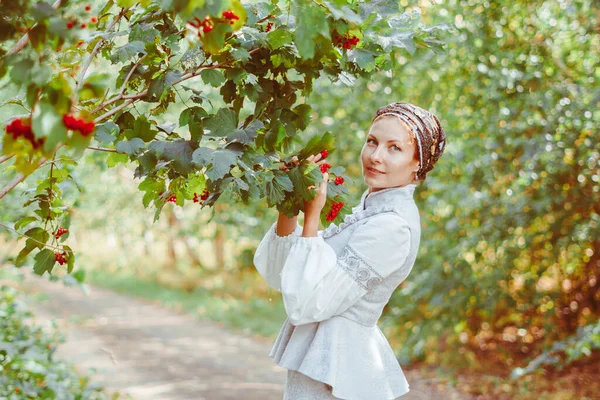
(370, 140)
(396, 147)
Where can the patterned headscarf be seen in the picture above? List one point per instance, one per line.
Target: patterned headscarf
(430, 136)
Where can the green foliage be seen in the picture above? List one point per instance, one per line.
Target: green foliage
(29, 367)
(508, 262)
(121, 70)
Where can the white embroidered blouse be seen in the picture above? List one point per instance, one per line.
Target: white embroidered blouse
(334, 288)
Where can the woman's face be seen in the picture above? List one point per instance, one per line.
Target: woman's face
(388, 149)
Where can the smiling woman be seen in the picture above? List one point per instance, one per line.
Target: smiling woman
(336, 282)
(400, 136)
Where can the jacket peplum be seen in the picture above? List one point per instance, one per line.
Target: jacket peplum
(334, 288)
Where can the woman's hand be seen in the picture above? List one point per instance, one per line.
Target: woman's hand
(312, 208)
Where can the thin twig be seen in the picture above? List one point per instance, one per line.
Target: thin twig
(114, 110)
(17, 179)
(35, 240)
(134, 97)
(6, 158)
(102, 149)
(10, 186)
(122, 90)
(25, 39)
(87, 63)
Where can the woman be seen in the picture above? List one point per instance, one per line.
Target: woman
(335, 283)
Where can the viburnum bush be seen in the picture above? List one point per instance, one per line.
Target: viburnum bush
(106, 77)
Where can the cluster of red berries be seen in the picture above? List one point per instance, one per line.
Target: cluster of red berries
(269, 26)
(72, 22)
(78, 124)
(325, 167)
(172, 198)
(203, 196)
(230, 15)
(346, 41)
(335, 209)
(206, 24)
(60, 257)
(324, 153)
(61, 231)
(339, 180)
(22, 127)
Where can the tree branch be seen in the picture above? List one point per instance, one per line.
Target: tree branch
(132, 98)
(115, 110)
(35, 240)
(102, 149)
(6, 158)
(17, 179)
(87, 63)
(120, 96)
(25, 39)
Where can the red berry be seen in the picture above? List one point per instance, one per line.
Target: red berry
(324, 153)
(325, 167)
(93, 20)
(204, 194)
(61, 231)
(88, 8)
(269, 26)
(339, 180)
(70, 25)
(83, 26)
(207, 28)
(60, 258)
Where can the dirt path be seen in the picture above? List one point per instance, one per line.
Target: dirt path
(150, 352)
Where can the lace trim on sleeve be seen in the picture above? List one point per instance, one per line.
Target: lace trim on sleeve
(351, 262)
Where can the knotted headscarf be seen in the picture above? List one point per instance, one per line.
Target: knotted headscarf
(428, 132)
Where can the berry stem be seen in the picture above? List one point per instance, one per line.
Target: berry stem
(34, 240)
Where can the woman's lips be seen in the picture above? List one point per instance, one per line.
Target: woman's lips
(374, 171)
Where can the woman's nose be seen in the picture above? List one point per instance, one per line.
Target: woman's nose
(376, 155)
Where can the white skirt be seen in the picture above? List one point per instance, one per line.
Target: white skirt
(300, 387)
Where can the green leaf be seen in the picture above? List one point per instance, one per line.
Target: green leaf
(47, 122)
(311, 23)
(23, 222)
(40, 235)
(127, 51)
(70, 258)
(116, 158)
(94, 86)
(365, 59)
(240, 54)
(142, 129)
(179, 151)
(221, 160)
(213, 77)
(279, 38)
(130, 147)
(44, 261)
(402, 40)
(222, 123)
(126, 3)
(106, 132)
(344, 13)
(246, 135)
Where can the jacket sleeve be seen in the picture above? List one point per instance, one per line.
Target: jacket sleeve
(317, 284)
(271, 254)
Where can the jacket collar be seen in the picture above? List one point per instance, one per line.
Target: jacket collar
(386, 196)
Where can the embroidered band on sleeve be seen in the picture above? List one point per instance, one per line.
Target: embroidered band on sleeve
(358, 269)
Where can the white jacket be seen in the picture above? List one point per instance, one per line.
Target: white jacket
(334, 288)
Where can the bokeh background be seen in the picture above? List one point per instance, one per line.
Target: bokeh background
(504, 298)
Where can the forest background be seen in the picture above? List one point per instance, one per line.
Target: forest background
(505, 290)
